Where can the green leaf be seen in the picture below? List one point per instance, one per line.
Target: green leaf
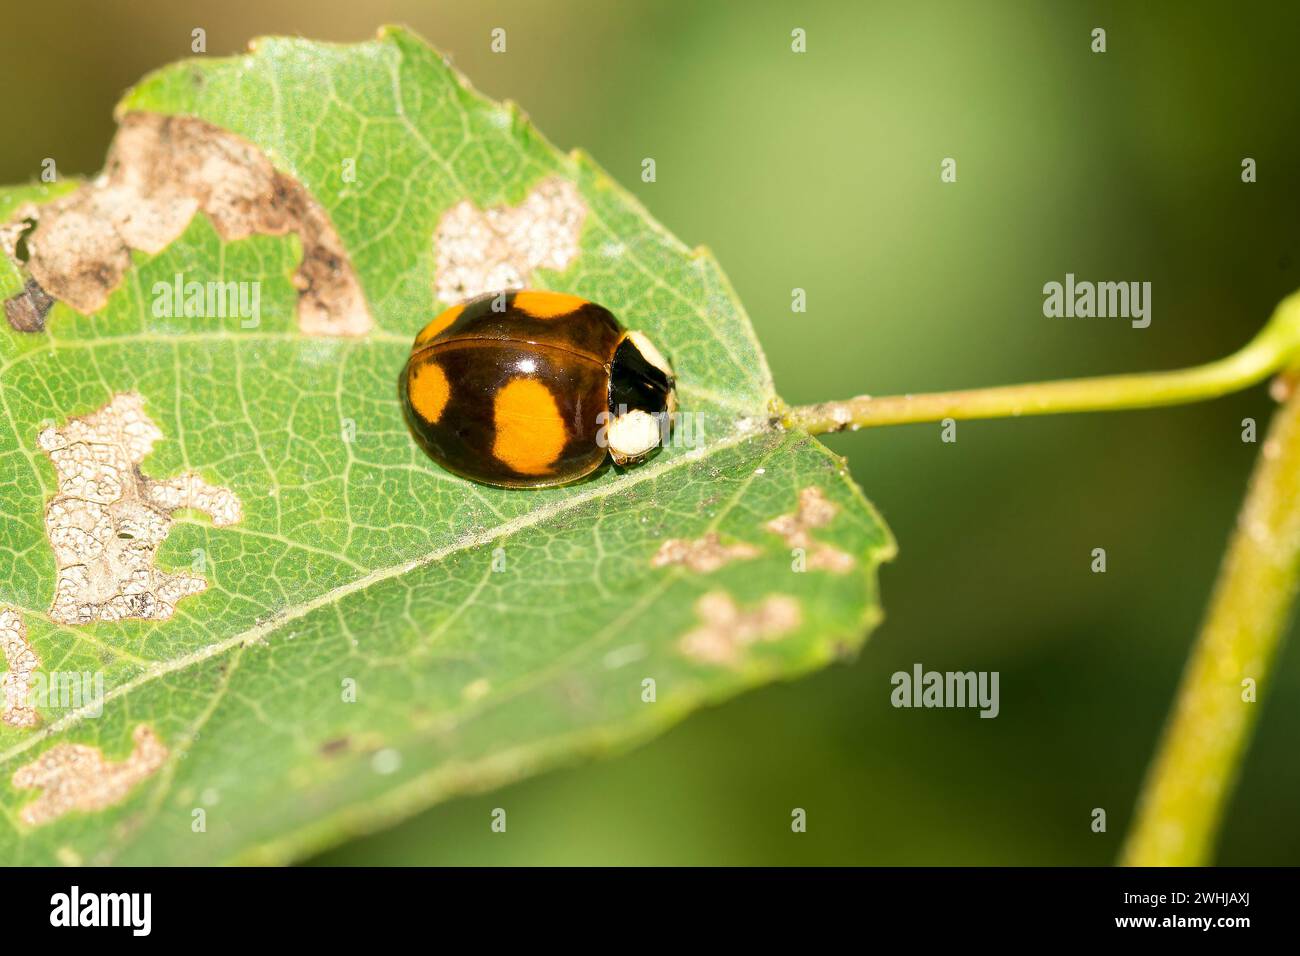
(484, 633)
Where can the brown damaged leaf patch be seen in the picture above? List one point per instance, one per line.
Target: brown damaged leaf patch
(27, 310)
(108, 519)
(15, 690)
(726, 630)
(486, 250)
(161, 171)
(704, 554)
(815, 511)
(77, 777)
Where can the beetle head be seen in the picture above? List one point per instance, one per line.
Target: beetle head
(642, 399)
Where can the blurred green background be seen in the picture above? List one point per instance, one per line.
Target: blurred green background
(821, 171)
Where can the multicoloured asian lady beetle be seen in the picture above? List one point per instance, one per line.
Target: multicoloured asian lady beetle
(528, 389)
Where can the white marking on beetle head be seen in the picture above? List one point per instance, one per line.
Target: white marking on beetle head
(632, 436)
(650, 353)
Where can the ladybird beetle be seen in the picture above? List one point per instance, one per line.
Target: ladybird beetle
(529, 389)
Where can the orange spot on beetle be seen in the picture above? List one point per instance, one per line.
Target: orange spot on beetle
(428, 389)
(530, 432)
(548, 305)
(438, 326)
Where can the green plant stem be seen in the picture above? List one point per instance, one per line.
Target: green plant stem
(1193, 774)
(1273, 349)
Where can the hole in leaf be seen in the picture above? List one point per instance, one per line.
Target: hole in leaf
(20, 245)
